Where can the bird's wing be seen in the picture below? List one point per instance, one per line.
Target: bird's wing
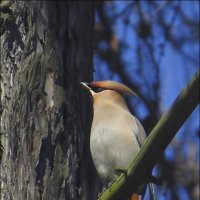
(139, 132)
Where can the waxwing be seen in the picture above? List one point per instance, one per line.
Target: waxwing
(116, 135)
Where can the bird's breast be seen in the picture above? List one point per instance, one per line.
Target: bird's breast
(113, 144)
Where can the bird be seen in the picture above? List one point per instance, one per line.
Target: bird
(116, 135)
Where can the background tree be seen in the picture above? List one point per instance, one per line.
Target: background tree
(46, 50)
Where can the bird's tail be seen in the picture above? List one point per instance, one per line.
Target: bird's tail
(135, 197)
(151, 191)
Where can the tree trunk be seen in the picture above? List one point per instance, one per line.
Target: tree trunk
(46, 50)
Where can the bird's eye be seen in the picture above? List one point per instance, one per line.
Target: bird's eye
(97, 89)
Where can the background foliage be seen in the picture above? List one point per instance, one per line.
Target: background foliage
(153, 47)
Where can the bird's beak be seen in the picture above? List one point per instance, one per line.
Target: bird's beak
(85, 85)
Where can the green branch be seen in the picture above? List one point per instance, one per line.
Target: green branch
(157, 141)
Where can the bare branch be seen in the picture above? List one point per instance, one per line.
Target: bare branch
(156, 143)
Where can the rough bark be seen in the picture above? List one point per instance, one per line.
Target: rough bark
(46, 50)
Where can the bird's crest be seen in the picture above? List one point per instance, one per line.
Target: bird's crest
(112, 85)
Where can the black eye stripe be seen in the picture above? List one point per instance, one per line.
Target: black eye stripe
(97, 89)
